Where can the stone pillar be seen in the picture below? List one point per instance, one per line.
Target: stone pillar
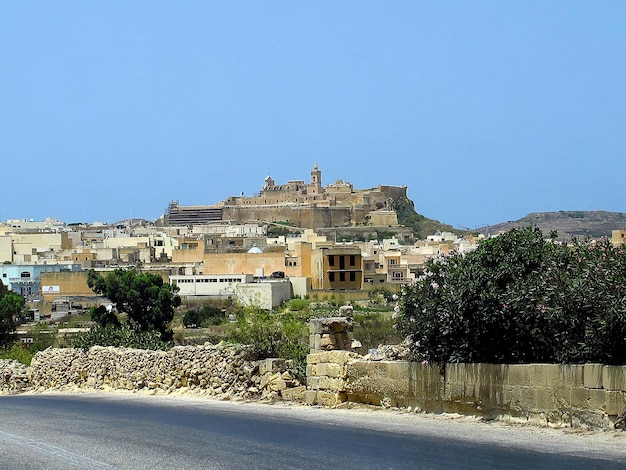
(331, 348)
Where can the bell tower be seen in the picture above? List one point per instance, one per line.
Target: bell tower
(315, 188)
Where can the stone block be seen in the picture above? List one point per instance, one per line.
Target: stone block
(597, 399)
(313, 383)
(331, 398)
(333, 384)
(580, 397)
(327, 342)
(544, 398)
(614, 378)
(540, 373)
(315, 326)
(339, 357)
(310, 397)
(271, 365)
(329, 369)
(294, 393)
(562, 397)
(518, 374)
(315, 357)
(528, 397)
(456, 372)
(615, 402)
(593, 375)
(315, 342)
(566, 375)
(454, 391)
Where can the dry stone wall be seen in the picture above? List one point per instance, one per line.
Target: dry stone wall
(223, 371)
(13, 377)
(215, 370)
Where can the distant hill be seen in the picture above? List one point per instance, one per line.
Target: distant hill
(568, 224)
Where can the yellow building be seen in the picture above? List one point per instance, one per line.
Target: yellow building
(618, 237)
(337, 268)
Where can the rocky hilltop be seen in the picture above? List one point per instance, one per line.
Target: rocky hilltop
(568, 224)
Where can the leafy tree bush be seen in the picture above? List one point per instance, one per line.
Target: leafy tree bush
(520, 298)
(103, 317)
(17, 352)
(125, 336)
(11, 304)
(202, 317)
(282, 335)
(148, 301)
(373, 329)
(43, 337)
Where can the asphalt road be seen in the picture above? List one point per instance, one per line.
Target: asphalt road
(98, 431)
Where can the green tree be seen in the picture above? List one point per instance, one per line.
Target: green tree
(147, 300)
(104, 317)
(519, 298)
(204, 316)
(11, 304)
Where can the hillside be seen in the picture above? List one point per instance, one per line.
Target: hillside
(421, 226)
(568, 224)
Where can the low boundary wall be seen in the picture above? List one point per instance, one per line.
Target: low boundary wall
(586, 395)
(589, 395)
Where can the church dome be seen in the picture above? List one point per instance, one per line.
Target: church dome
(255, 249)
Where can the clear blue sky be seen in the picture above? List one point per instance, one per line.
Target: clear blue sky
(485, 110)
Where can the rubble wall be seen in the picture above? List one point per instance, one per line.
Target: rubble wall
(214, 370)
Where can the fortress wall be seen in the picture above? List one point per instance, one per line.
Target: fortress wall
(298, 216)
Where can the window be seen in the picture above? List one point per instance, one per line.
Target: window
(368, 266)
(342, 277)
(352, 276)
(397, 275)
(352, 260)
(25, 274)
(331, 277)
(331, 260)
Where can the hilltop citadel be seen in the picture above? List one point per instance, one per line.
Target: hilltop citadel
(336, 239)
(305, 205)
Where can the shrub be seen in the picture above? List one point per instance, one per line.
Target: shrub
(298, 305)
(17, 352)
(202, 317)
(283, 335)
(520, 298)
(373, 329)
(124, 336)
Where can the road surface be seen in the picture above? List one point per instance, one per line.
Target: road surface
(103, 431)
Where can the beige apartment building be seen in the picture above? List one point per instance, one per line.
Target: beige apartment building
(618, 237)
